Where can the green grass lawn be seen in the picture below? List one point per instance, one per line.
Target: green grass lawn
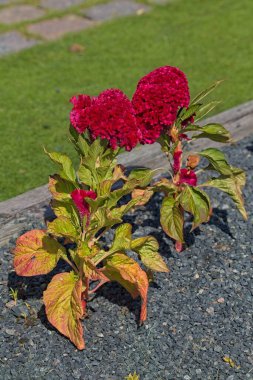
(209, 40)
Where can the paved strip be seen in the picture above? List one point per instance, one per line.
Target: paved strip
(13, 42)
(58, 27)
(114, 9)
(20, 13)
(60, 4)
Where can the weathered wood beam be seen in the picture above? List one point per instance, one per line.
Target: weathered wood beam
(239, 120)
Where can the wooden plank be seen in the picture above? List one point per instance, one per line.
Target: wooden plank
(239, 120)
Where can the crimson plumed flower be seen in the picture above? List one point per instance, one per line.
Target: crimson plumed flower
(78, 196)
(79, 114)
(109, 116)
(188, 176)
(158, 97)
(177, 160)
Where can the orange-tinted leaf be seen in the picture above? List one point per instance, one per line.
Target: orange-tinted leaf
(63, 304)
(92, 272)
(192, 161)
(129, 274)
(36, 253)
(142, 196)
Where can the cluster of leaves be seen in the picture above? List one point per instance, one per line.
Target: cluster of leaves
(182, 192)
(76, 237)
(87, 202)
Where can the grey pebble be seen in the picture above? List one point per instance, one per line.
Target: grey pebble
(188, 331)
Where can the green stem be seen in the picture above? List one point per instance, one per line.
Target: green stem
(65, 258)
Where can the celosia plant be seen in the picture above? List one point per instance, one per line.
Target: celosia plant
(85, 203)
(165, 114)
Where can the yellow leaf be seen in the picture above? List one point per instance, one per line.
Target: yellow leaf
(228, 360)
(63, 305)
(129, 274)
(147, 248)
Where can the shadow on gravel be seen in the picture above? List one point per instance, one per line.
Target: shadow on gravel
(250, 148)
(116, 294)
(219, 219)
(33, 287)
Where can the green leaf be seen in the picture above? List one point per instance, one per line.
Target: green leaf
(102, 218)
(60, 188)
(231, 185)
(217, 160)
(36, 253)
(129, 274)
(66, 209)
(105, 187)
(205, 109)
(83, 250)
(96, 203)
(116, 195)
(143, 176)
(206, 92)
(85, 176)
(147, 248)
(172, 219)
(63, 303)
(190, 111)
(165, 185)
(118, 212)
(63, 227)
(215, 132)
(67, 171)
(122, 238)
(83, 145)
(196, 202)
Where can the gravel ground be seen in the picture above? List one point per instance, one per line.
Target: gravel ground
(199, 313)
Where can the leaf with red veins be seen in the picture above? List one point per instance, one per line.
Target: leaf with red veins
(129, 274)
(36, 253)
(64, 307)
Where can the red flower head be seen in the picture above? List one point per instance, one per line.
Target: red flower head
(112, 117)
(79, 113)
(157, 99)
(188, 176)
(177, 160)
(78, 196)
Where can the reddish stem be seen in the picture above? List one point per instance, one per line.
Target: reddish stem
(97, 287)
(179, 246)
(87, 284)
